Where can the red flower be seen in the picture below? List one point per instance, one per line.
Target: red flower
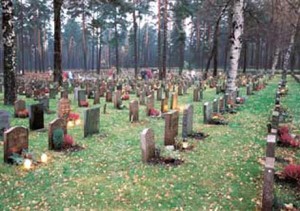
(292, 172)
(154, 112)
(68, 140)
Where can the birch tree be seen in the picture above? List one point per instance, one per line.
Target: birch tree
(236, 43)
(9, 59)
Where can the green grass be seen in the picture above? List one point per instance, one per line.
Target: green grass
(222, 172)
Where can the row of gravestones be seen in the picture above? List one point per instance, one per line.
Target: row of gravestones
(170, 132)
(16, 138)
(269, 171)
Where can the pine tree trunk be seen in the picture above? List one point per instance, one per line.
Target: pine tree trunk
(117, 44)
(57, 42)
(9, 57)
(159, 40)
(165, 34)
(236, 44)
(135, 43)
(287, 56)
(84, 42)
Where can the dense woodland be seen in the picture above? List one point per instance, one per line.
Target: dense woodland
(196, 33)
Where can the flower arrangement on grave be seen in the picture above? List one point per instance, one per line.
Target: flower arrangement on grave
(23, 113)
(284, 113)
(283, 91)
(218, 119)
(126, 96)
(154, 113)
(259, 87)
(73, 119)
(240, 100)
(292, 172)
(286, 138)
(25, 158)
(84, 103)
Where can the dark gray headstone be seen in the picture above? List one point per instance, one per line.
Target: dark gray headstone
(36, 117)
(58, 123)
(91, 119)
(268, 186)
(206, 113)
(134, 111)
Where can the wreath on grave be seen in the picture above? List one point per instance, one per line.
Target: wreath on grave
(18, 159)
(23, 113)
(154, 113)
(218, 119)
(287, 139)
(125, 96)
(240, 100)
(61, 140)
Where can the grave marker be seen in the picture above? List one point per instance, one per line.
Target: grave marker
(187, 121)
(147, 145)
(171, 127)
(58, 123)
(134, 111)
(91, 119)
(36, 117)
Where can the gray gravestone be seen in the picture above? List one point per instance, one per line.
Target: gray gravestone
(206, 113)
(268, 186)
(134, 111)
(216, 106)
(147, 145)
(187, 121)
(91, 119)
(171, 127)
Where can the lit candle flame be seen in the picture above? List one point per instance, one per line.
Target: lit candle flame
(44, 158)
(27, 164)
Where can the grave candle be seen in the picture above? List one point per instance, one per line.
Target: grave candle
(44, 158)
(185, 144)
(70, 124)
(27, 164)
(77, 122)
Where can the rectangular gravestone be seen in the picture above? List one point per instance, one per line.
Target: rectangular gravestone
(91, 119)
(142, 98)
(52, 93)
(15, 141)
(76, 89)
(215, 106)
(221, 105)
(45, 102)
(108, 97)
(180, 90)
(268, 185)
(275, 119)
(96, 98)
(187, 121)
(174, 101)
(206, 113)
(149, 104)
(81, 97)
(271, 143)
(36, 117)
(19, 105)
(4, 122)
(171, 127)
(117, 99)
(159, 94)
(164, 105)
(134, 111)
(147, 145)
(196, 95)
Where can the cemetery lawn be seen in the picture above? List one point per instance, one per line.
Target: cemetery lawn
(223, 172)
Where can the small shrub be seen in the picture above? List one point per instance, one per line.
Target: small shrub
(292, 172)
(58, 138)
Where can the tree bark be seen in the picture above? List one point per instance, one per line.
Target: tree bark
(135, 43)
(9, 57)
(57, 42)
(275, 60)
(159, 40)
(165, 34)
(236, 44)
